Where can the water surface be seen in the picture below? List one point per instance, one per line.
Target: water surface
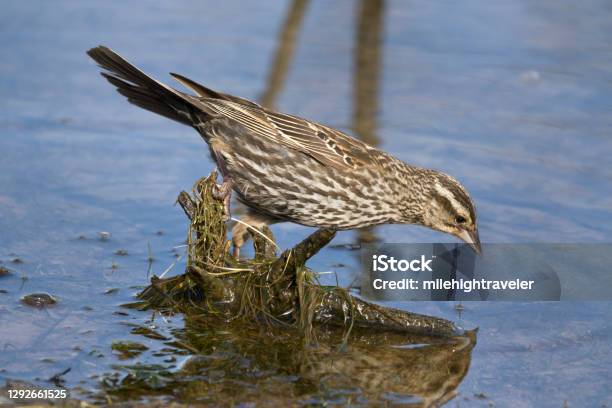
(513, 99)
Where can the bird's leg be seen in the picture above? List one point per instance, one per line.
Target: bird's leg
(223, 191)
(236, 251)
(240, 232)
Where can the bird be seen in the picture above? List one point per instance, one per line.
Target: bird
(286, 168)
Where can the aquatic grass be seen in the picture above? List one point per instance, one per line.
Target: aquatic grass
(267, 289)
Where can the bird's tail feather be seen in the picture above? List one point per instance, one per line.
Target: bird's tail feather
(199, 89)
(144, 91)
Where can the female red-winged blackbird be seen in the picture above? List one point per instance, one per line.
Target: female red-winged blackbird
(285, 168)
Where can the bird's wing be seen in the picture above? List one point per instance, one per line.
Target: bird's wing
(326, 145)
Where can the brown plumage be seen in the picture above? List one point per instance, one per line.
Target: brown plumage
(285, 168)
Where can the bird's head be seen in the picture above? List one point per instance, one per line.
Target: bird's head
(449, 208)
(441, 203)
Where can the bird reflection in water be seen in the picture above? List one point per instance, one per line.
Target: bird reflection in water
(272, 366)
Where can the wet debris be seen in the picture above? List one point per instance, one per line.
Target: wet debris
(141, 376)
(118, 313)
(4, 271)
(104, 235)
(349, 246)
(128, 349)
(57, 379)
(39, 300)
(148, 332)
(269, 289)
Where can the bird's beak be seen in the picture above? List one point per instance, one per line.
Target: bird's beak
(471, 238)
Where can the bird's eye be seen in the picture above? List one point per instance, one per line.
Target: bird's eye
(459, 219)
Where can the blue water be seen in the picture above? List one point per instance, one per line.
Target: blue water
(511, 98)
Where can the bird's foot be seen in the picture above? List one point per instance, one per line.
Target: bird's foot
(223, 192)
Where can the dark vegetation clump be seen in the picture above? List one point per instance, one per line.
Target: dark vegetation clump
(268, 289)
